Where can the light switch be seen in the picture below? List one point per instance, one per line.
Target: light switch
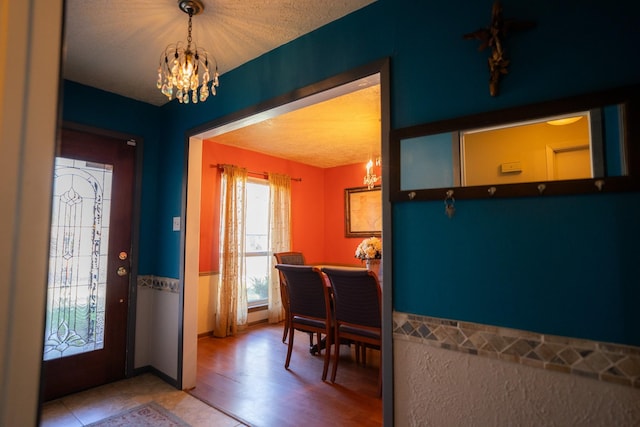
(176, 223)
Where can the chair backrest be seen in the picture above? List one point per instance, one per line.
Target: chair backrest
(357, 296)
(293, 258)
(308, 293)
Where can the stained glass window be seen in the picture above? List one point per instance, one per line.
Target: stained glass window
(78, 258)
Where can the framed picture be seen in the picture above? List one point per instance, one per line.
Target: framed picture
(362, 212)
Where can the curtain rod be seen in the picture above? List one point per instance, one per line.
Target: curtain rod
(264, 174)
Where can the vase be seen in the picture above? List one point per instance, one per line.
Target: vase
(374, 265)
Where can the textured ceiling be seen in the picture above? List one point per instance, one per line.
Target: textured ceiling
(339, 131)
(115, 45)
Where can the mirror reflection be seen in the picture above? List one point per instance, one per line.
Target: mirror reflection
(577, 145)
(545, 150)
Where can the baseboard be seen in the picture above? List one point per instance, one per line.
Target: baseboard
(150, 369)
(141, 370)
(210, 333)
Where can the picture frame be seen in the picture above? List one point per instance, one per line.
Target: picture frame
(363, 212)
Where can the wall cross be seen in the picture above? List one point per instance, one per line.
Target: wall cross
(493, 37)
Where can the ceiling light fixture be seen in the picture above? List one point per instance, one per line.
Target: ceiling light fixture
(565, 121)
(181, 68)
(371, 178)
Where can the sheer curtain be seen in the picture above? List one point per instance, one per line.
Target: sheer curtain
(279, 237)
(231, 304)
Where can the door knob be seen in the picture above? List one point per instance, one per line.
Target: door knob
(122, 271)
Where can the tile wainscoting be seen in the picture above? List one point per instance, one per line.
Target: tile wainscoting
(159, 283)
(614, 363)
(609, 362)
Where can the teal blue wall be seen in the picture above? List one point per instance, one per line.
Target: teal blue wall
(103, 110)
(560, 265)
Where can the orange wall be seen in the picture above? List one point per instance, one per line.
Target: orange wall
(317, 204)
(336, 180)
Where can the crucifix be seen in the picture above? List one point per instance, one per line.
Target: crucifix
(493, 37)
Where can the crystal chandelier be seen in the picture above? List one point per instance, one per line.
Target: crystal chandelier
(183, 71)
(371, 178)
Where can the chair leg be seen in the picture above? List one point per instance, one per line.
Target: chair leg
(284, 298)
(380, 378)
(290, 348)
(336, 356)
(327, 355)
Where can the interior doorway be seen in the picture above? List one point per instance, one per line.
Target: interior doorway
(326, 90)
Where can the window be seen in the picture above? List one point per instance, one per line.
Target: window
(77, 285)
(257, 254)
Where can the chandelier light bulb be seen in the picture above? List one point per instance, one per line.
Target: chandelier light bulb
(187, 67)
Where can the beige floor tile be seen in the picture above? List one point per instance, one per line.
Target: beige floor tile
(102, 402)
(55, 414)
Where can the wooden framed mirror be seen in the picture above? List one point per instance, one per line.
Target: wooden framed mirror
(583, 144)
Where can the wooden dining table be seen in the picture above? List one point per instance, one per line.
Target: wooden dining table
(326, 278)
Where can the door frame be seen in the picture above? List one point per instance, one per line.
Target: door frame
(135, 231)
(553, 150)
(189, 248)
(29, 108)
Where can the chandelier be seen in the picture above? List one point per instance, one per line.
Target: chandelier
(183, 71)
(371, 178)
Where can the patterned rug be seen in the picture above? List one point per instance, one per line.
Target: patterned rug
(149, 414)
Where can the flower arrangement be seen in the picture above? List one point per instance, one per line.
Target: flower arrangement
(370, 248)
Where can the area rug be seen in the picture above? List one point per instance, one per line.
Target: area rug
(149, 414)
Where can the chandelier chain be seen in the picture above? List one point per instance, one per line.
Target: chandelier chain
(189, 30)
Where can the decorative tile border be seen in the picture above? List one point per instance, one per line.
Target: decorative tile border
(614, 363)
(159, 283)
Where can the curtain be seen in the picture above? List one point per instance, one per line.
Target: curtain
(279, 237)
(231, 304)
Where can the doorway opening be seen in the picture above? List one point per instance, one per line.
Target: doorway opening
(373, 75)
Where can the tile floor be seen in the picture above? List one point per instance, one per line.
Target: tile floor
(102, 402)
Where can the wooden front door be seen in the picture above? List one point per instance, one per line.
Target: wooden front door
(89, 263)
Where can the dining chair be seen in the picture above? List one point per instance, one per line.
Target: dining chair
(292, 258)
(357, 310)
(309, 306)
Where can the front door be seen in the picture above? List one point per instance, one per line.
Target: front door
(89, 261)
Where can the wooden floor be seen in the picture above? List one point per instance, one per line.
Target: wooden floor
(245, 377)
